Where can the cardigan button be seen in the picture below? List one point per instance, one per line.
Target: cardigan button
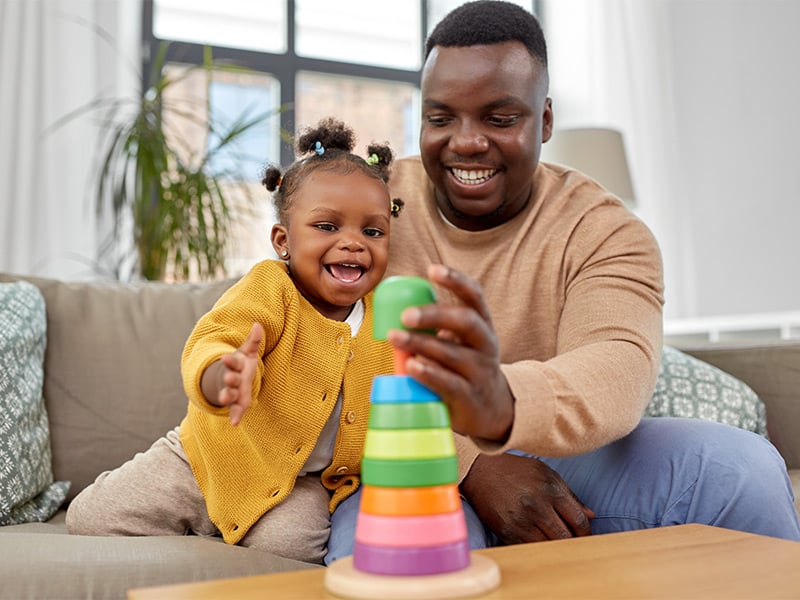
(340, 340)
(350, 417)
(342, 470)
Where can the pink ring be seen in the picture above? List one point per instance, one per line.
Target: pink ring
(406, 532)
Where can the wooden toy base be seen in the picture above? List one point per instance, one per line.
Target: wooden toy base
(482, 576)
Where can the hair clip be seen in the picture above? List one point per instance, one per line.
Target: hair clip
(396, 205)
(318, 148)
(280, 181)
(373, 159)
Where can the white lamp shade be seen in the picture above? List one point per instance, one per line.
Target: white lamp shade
(597, 152)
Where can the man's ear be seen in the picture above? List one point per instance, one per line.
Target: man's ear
(547, 120)
(279, 236)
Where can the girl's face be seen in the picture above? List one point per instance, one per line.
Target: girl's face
(337, 235)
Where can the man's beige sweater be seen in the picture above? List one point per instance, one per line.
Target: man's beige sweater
(575, 286)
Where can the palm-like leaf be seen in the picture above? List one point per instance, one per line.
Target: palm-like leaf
(177, 208)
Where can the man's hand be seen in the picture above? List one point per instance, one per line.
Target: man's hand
(523, 500)
(229, 381)
(462, 363)
(520, 499)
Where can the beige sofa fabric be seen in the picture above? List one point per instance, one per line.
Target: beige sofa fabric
(112, 368)
(54, 566)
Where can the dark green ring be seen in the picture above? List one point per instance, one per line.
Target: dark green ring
(382, 472)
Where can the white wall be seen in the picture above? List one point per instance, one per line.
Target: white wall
(737, 97)
(707, 94)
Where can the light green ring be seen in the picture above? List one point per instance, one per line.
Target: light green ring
(409, 443)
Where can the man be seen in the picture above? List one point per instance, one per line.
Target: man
(550, 322)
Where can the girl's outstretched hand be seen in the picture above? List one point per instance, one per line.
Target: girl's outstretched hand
(236, 372)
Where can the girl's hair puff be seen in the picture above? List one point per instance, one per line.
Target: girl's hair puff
(329, 145)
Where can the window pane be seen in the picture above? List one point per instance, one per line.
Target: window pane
(251, 24)
(229, 96)
(236, 96)
(376, 110)
(371, 32)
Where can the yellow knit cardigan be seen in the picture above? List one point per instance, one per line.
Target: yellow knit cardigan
(246, 470)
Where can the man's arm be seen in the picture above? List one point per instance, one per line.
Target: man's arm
(520, 499)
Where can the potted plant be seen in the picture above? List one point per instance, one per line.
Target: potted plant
(164, 194)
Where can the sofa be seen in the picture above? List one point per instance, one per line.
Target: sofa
(110, 383)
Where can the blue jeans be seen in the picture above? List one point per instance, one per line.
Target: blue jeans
(667, 471)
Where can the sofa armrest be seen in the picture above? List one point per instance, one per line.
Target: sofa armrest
(773, 371)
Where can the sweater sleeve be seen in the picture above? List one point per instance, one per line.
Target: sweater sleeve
(258, 297)
(608, 346)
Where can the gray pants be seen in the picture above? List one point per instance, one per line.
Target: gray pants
(155, 493)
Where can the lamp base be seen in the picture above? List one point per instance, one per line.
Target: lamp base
(480, 577)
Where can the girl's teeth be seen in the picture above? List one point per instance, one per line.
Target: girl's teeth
(347, 273)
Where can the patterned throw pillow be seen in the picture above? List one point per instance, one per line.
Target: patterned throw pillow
(689, 387)
(27, 490)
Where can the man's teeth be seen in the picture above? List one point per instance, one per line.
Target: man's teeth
(473, 177)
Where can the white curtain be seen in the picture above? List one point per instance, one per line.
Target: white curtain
(56, 56)
(610, 65)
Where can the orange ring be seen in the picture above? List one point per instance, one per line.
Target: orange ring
(428, 500)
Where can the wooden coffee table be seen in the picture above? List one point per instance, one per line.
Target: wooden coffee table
(684, 561)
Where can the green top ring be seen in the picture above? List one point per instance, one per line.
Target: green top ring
(392, 296)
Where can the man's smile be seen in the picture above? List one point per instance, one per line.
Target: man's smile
(473, 176)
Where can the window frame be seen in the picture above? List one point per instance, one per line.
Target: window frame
(283, 67)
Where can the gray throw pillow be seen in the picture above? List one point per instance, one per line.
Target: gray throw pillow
(27, 490)
(689, 387)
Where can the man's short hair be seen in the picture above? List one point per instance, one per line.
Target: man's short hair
(486, 22)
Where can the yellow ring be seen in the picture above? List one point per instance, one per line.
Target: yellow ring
(409, 443)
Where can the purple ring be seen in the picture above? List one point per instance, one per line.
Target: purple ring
(431, 560)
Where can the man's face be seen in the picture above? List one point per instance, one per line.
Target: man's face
(485, 114)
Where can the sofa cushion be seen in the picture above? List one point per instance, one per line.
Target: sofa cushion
(27, 490)
(112, 383)
(689, 387)
(56, 566)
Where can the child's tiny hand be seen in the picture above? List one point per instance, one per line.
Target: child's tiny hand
(240, 368)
